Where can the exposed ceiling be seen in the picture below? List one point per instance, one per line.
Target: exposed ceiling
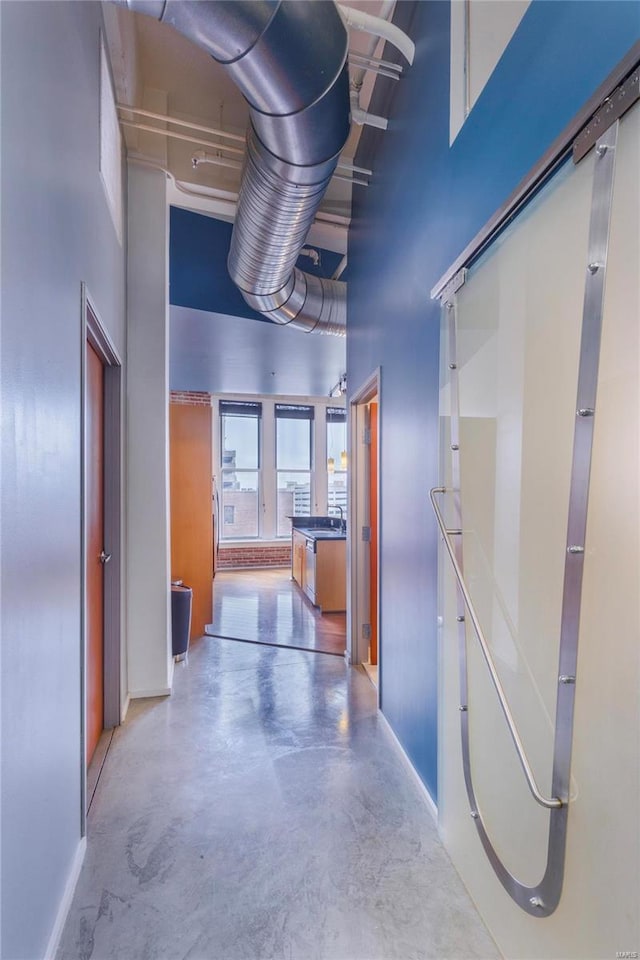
(159, 71)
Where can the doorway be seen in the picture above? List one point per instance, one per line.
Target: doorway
(96, 558)
(101, 546)
(364, 494)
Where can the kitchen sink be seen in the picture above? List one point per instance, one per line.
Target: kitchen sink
(325, 531)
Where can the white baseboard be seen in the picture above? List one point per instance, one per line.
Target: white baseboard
(65, 902)
(143, 694)
(124, 708)
(433, 809)
(158, 691)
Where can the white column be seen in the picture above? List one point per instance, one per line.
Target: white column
(147, 518)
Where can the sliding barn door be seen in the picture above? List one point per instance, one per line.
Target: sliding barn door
(513, 352)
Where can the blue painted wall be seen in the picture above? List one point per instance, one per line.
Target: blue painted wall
(198, 276)
(426, 202)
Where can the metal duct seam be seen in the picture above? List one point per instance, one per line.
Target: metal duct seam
(289, 59)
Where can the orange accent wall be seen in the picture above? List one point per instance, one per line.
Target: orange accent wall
(191, 507)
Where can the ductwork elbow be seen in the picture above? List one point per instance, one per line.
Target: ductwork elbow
(308, 303)
(289, 59)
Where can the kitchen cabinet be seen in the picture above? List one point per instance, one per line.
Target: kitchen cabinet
(331, 575)
(298, 548)
(319, 567)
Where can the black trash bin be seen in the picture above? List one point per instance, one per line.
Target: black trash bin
(181, 598)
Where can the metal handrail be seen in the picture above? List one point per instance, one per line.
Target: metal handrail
(550, 803)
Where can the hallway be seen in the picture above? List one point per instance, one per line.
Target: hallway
(262, 811)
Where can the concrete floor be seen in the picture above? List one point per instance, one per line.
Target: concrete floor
(267, 606)
(262, 811)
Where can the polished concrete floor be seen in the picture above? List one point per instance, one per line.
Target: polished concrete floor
(260, 812)
(267, 606)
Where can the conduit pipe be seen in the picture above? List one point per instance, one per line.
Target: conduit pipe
(289, 60)
(380, 27)
(360, 116)
(351, 18)
(214, 131)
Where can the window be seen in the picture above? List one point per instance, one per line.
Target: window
(271, 463)
(337, 459)
(240, 455)
(293, 463)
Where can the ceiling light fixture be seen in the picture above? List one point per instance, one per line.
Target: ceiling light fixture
(340, 388)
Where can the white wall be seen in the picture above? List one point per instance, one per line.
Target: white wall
(56, 233)
(519, 331)
(480, 33)
(148, 555)
(217, 353)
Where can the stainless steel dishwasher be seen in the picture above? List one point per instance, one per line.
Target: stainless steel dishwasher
(310, 569)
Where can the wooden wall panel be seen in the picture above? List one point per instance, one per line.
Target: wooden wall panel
(191, 507)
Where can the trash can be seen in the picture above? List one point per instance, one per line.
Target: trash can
(181, 598)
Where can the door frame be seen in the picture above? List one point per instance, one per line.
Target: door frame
(359, 514)
(94, 332)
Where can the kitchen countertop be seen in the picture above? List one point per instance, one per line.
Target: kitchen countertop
(319, 528)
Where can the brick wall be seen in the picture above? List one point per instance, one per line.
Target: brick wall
(254, 555)
(193, 397)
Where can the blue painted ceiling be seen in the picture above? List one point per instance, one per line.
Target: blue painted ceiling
(198, 277)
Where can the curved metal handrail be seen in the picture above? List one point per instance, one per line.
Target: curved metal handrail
(549, 802)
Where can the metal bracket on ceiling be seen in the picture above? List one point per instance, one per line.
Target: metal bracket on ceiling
(393, 71)
(447, 293)
(611, 110)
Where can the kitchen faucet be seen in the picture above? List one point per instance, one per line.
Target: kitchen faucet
(343, 522)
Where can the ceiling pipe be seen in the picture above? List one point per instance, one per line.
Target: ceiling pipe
(340, 269)
(289, 60)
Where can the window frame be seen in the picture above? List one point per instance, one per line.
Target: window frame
(337, 471)
(305, 413)
(253, 410)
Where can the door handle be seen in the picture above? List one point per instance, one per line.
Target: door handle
(104, 557)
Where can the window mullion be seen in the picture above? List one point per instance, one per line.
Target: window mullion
(319, 472)
(268, 472)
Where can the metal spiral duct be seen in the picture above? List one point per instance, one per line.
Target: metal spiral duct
(289, 59)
